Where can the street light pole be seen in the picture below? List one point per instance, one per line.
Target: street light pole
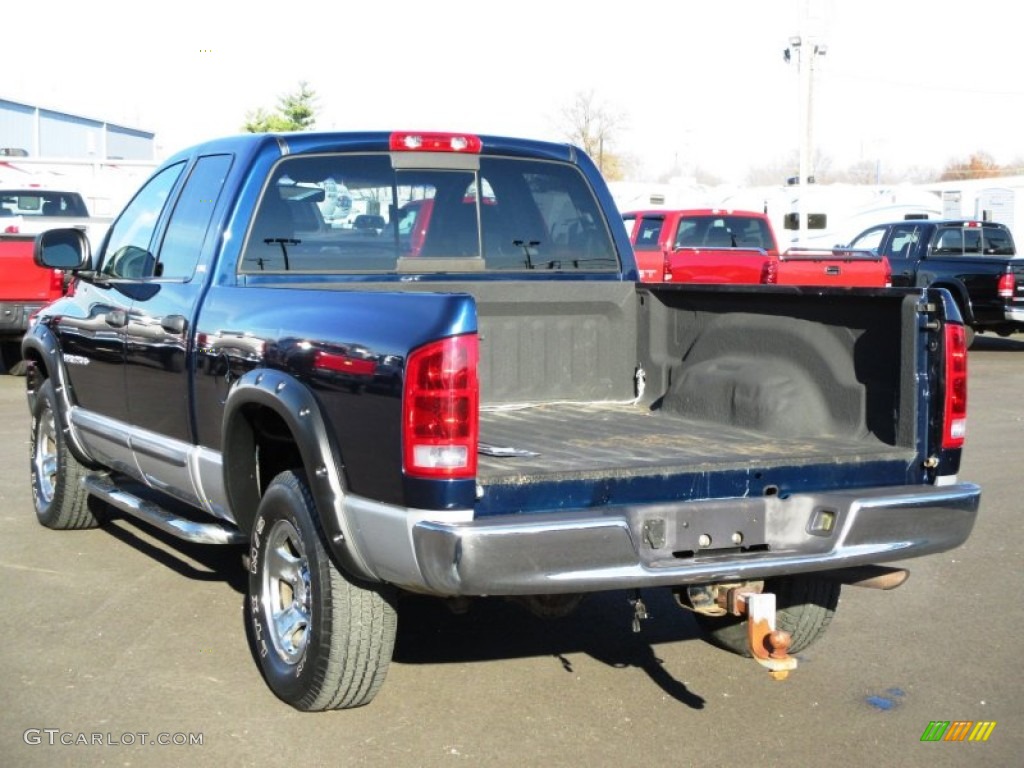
(801, 46)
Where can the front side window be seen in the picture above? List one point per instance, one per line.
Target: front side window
(870, 240)
(901, 244)
(508, 215)
(128, 252)
(186, 230)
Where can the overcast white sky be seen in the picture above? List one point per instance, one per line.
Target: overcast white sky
(907, 82)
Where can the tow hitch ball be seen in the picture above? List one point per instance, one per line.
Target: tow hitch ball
(768, 645)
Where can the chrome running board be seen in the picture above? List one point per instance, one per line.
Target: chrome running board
(102, 487)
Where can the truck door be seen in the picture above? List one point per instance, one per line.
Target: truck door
(647, 247)
(902, 249)
(92, 339)
(158, 333)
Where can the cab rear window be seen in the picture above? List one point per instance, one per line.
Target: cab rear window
(356, 213)
(988, 240)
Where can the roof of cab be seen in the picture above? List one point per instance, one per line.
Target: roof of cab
(301, 142)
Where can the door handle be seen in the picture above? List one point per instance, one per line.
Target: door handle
(174, 324)
(116, 318)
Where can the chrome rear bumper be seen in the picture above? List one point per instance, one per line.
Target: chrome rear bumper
(663, 544)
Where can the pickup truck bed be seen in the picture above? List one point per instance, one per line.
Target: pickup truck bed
(746, 379)
(624, 440)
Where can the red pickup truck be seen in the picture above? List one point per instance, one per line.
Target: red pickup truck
(25, 287)
(729, 246)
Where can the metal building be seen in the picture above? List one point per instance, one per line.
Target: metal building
(32, 131)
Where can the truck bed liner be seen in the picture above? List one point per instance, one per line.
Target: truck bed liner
(577, 440)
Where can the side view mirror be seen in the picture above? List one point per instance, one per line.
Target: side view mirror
(62, 249)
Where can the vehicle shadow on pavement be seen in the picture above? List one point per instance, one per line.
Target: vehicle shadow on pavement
(495, 628)
(198, 562)
(491, 629)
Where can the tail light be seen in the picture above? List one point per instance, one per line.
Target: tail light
(666, 276)
(11, 229)
(1007, 284)
(56, 282)
(954, 421)
(770, 272)
(887, 271)
(432, 141)
(441, 409)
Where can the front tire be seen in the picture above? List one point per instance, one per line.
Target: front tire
(323, 639)
(57, 493)
(804, 607)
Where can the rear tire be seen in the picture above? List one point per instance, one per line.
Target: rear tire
(804, 607)
(323, 640)
(57, 493)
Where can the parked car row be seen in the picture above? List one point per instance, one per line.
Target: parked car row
(733, 246)
(975, 260)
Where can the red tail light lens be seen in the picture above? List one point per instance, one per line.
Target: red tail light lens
(431, 141)
(11, 229)
(770, 272)
(441, 409)
(954, 422)
(56, 282)
(888, 271)
(1007, 285)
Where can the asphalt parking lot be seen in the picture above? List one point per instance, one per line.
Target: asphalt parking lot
(121, 638)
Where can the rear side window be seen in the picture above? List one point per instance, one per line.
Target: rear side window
(648, 234)
(356, 213)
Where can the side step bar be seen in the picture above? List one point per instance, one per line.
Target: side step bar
(103, 488)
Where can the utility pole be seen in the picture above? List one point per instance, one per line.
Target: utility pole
(805, 48)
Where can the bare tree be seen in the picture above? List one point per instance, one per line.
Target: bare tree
(980, 165)
(594, 126)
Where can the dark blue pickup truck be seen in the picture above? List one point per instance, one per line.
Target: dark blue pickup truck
(976, 261)
(489, 405)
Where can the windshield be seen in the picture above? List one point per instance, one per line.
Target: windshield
(356, 213)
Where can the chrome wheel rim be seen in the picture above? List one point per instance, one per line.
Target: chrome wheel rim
(286, 592)
(44, 457)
